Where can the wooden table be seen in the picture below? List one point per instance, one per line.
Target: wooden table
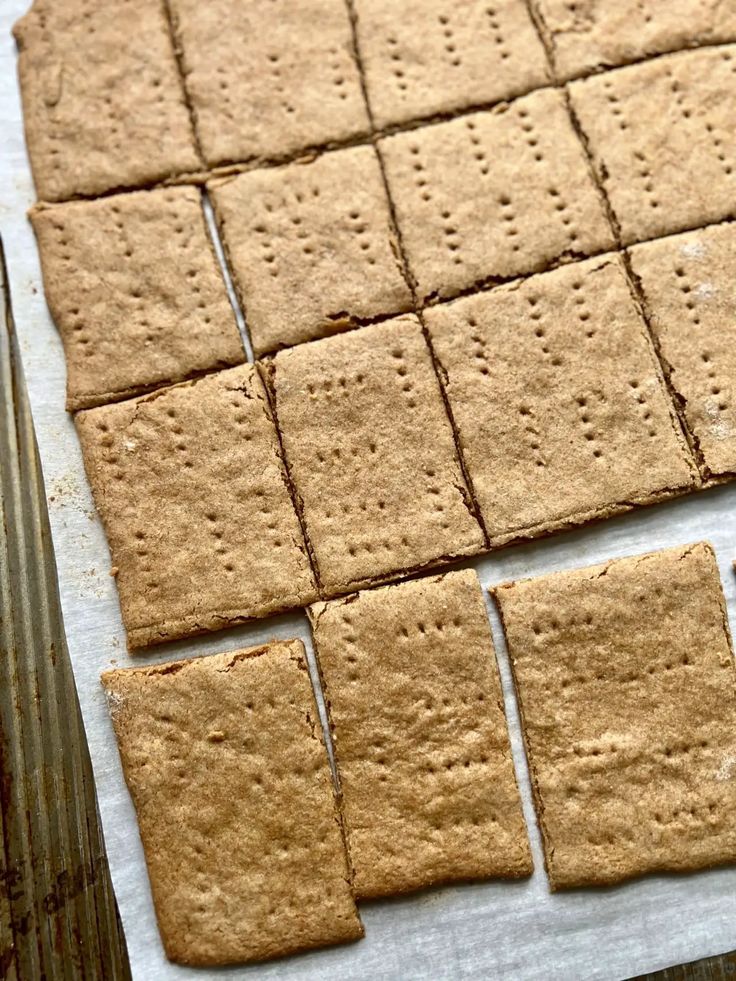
(58, 917)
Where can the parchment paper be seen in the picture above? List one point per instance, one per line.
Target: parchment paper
(490, 930)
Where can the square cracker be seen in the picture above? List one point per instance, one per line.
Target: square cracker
(687, 281)
(135, 290)
(494, 194)
(191, 489)
(423, 57)
(225, 762)
(102, 98)
(371, 454)
(661, 135)
(312, 247)
(558, 400)
(268, 79)
(419, 732)
(589, 35)
(625, 679)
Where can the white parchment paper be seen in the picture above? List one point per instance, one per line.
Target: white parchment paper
(503, 930)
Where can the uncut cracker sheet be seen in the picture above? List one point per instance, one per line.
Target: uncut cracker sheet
(489, 929)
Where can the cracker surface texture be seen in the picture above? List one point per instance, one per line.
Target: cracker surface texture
(589, 35)
(661, 139)
(102, 99)
(266, 79)
(312, 247)
(418, 726)
(134, 287)
(559, 403)
(493, 195)
(625, 679)
(372, 455)
(688, 286)
(224, 760)
(190, 486)
(423, 57)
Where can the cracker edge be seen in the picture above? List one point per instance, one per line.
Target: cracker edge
(600, 569)
(296, 652)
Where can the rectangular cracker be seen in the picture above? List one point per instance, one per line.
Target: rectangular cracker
(225, 762)
(135, 290)
(268, 79)
(625, 679)
(190, 486)
(371, 453)
(588, 35)
(492, 195)
(427, 780)
(312, 247)
(661, 135)
(558, 400)
(102, 99)
(423, 57)
(687, 281)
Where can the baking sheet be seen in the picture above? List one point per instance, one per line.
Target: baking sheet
(515, 931)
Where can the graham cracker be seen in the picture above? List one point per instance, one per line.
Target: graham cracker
(625, 679)
(136, 293)
(224, 759)
(492, 195)
(191, 489)
(419, 733)
(423, 57)
(312, 247)
(102, 99)
(661, 139)
(371, 454)
(559, 403)
(687, 281)
(588, 35)
(267, 79)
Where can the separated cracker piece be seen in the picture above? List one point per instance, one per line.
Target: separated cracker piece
(371, 454)
(663, 140)
(267, 79)
(422, 750)
(312, 247)
(687, 282)
(493, 194)
(102, 99)
(133, 284)
(625, 679)
(558, 399)
(589, 35)
(423, 58)
(190, 486)
(224, 760)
